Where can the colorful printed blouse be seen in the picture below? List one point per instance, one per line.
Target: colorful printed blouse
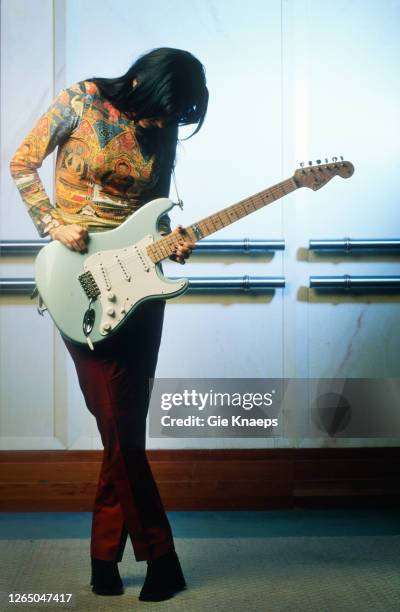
(101, 174)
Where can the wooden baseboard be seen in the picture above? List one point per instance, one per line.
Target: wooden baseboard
(229, 479)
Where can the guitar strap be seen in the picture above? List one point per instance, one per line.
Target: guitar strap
(179, 202)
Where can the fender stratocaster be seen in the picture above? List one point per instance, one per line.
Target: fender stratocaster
(90, 295)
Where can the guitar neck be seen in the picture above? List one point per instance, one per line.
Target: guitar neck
(163, 248)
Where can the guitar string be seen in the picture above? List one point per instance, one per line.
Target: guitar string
(168, 241)
(223, 215)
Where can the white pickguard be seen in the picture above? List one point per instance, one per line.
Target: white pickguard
(124, 277)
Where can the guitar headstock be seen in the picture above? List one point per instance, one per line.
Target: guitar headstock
(317, 176)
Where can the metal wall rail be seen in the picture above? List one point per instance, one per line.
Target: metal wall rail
(243, 283)
(21, 247)
(32, 247)
(355, 282)
(17, 285)
(196, 283)
(360, 244)
(243, 244)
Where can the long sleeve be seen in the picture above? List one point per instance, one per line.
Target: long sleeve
(52, 129)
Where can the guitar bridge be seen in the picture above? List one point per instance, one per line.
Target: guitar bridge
(89, 285)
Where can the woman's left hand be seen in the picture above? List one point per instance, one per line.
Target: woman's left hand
(183, 249)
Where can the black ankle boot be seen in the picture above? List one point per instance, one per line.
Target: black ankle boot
(164, 578)
(105, 578)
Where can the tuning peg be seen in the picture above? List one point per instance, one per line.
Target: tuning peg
(341, 157)
(334, 159)
(318, 161)
(326, 160)
(301, 164)
(310, 163)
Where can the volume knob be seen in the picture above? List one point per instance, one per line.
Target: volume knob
(111, 312)
(111, 296)
(106, 327)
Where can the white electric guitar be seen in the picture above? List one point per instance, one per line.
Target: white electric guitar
(90, 295)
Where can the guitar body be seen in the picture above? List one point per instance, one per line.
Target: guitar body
(123, 273)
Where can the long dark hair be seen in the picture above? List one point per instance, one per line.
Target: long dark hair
(171, 84)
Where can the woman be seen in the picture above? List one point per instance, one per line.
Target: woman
(116, 141)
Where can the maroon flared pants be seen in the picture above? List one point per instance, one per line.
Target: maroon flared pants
(114, 379)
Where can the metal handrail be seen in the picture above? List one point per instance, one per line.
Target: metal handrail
(244, 283)
(359, 244)
(32, 247)
(355, 282)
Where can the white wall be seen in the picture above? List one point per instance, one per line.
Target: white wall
(289, 81)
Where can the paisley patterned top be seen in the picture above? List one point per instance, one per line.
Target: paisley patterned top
(101, 177)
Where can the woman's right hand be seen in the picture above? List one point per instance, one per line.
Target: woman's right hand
(72, 236)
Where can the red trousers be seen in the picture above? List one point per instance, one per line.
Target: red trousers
(114, 379)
